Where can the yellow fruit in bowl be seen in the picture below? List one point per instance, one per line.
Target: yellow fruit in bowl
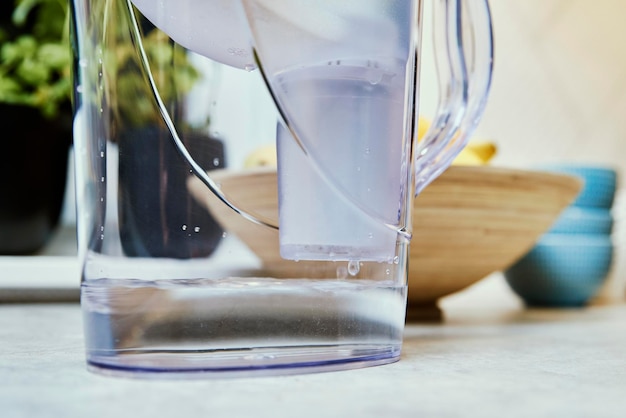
(476, 152)
(423, 125)
(264, 156)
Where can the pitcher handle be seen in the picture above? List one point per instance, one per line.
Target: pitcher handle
(463, 44)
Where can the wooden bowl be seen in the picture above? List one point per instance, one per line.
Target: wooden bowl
(470, 222)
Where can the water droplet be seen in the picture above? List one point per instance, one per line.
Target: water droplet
(79, 89)
(102, 199)
(387, 272)
(196, 229)
(370, 235)
(224, 235)
(83, 63)
(102, 228)
(216, 162)
(367, 150)
(102, 179)
(101, 154)
(353, 267)
(184, 227)
(249, 67)
(375, 77)
(101, 237)
(396, 260)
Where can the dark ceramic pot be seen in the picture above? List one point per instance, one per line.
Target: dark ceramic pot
(157, 215)
(33, 173)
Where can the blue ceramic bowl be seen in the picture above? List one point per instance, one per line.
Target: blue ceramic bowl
(562, 270)
(599, 186)
(583, 220)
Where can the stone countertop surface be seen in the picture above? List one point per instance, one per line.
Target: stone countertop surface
(490, 357)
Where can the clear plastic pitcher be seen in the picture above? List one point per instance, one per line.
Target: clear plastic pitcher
(246, 171)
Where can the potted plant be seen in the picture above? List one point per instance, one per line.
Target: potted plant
(152, 194)
(35, 107)
(35, 113)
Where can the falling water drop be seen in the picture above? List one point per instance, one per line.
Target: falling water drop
(353, 267)
(375, 77)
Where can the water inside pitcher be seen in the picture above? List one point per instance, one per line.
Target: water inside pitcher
(196, 262)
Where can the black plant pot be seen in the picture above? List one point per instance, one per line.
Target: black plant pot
(157, 215)
(33, 172)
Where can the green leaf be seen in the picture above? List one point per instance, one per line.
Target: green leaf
(33, 72)
(22, 10)
(55, 55)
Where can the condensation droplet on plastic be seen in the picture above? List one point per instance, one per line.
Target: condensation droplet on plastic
(196, 229)
(102, 179)
(216, 162)
(370, 235)
(375, 77)
(184, 227)
(353, 267)
(101, 154)
(224, 234)
(396, 260)
(249, 67)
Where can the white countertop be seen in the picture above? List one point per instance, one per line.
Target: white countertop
(491, 357)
